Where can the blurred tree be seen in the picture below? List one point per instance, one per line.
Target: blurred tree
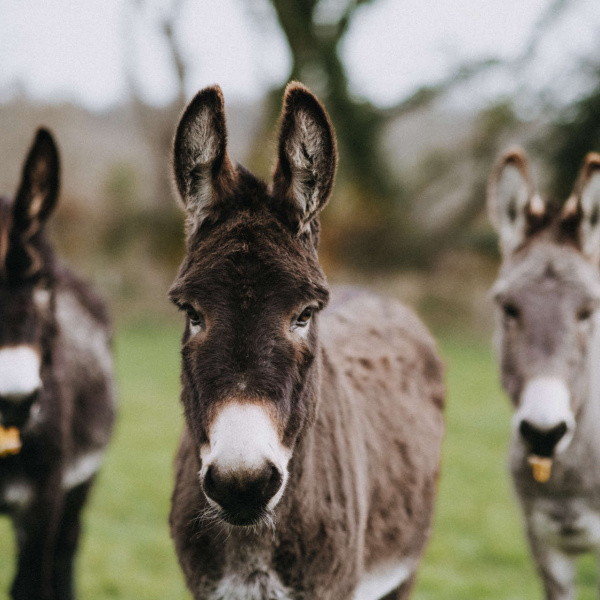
(157, 123)
(160, 220)
(573, 129)
(575, 132)
(315, 60)
(314, 30)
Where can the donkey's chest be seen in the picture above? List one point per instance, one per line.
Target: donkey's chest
(245, 577)
(18, 484)
(259, 585)
(572, 524)
(16, 493)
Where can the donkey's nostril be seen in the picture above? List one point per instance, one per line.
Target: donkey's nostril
(241, 492)
(14, 411)
(542, 441)
(272, 481)
(214, 486)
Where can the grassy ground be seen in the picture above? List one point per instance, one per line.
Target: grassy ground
(477, 550)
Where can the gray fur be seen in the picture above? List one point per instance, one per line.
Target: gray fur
(548, 295)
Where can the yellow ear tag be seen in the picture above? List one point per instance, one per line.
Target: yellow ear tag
(10, 441)
(541, 466)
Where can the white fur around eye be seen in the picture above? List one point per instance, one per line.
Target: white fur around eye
(302, 331)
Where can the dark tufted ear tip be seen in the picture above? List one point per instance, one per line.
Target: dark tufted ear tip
(44, 136)
(295, 89)
(513, 157)
(297, 97)
(213, 94)
(44, 145)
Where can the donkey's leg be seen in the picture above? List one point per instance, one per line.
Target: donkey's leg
(36, 530)
(556, 569)
(66, 541)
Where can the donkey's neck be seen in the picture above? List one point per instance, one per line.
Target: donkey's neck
(249, 567)
(323, 499)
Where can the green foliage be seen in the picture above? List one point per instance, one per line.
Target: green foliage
(575, 133)
(121, 191)
(492, 123)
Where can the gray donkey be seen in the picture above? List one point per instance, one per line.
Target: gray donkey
(548, 295)
(308, 464)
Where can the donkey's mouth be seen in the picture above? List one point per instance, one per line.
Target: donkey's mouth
(242, 516)
(247, 518)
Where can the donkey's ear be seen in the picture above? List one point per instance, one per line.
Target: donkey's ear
(203, 172)
(38, 191)
(512, 200)
(307, 157)
(581, 212)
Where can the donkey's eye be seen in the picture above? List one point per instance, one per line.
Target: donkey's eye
(304, 316)
(511, 311)
(194, 316)
(584, 314)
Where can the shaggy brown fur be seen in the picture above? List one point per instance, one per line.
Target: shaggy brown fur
(357, 397)
(65, 423)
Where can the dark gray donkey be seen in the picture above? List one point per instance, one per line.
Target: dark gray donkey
(56, 392)
(308, 464)
(548, 296)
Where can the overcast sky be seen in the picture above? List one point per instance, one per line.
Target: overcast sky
(73, 50)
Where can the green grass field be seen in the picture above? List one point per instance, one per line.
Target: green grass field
(477, 549)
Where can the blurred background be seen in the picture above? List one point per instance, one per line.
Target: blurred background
(423, 94)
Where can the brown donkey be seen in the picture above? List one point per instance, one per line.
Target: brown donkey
(307, 468)
(548, 297)
(56, 391)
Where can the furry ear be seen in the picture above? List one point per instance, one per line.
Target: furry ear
(38, 191)
(513, 204)
(307, 157)
(203, 172)
(581, 212)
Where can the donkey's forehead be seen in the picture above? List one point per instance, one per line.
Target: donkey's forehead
(549, 267)
(252, 251)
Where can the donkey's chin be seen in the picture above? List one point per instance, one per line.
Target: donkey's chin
(251, 518)
(254, 520)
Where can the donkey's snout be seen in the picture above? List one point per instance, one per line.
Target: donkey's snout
(245, 463)
(544, 420)
(241, 494)
(542, 441)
